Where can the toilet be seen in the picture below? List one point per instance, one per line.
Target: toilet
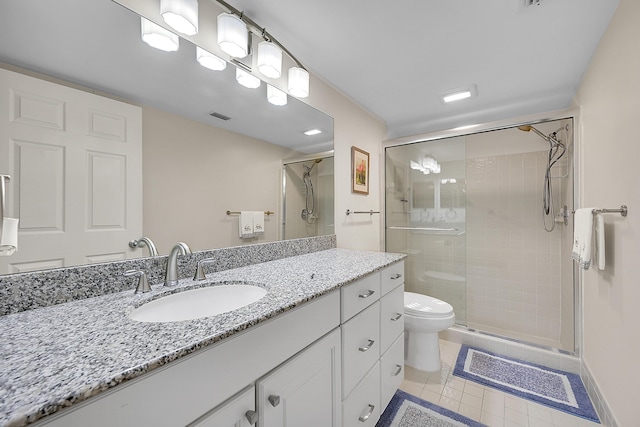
(424, 317)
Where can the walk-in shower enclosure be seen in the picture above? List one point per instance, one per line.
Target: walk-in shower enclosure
(307, 197)
(468, 212)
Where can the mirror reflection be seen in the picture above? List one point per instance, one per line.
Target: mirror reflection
(185, 166)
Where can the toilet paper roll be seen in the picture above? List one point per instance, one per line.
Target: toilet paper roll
(9, 240)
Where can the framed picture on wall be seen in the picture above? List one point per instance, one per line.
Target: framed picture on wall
(359, 171)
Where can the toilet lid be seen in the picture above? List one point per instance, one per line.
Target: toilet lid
(425, 306)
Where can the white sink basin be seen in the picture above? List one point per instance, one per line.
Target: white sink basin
(198, 303)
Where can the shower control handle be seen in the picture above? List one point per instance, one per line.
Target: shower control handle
(367, 347)
(368, 294)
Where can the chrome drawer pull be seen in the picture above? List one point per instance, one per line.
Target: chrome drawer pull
(397, 371)
(367, 347)
(365, 417)
(274, 400)
(396, 317)
(252, 417)
(396, 276)
(368, 294)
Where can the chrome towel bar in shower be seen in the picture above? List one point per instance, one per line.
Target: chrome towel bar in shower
(267, 213)
(349, 212)
(393, 227)
(622, 211)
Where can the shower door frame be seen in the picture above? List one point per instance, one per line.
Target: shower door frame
(571, 113)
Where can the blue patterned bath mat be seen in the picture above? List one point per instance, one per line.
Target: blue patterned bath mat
(406, 410)
(551, 387)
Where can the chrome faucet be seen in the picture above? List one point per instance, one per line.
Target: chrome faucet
(171, 276)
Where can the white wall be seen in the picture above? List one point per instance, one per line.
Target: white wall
(609, 99)
(222, 174)
(353, 126)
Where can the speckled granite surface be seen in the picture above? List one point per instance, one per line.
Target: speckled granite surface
(55, 356)
(26, 291)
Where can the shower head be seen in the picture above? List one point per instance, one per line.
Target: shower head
(551, 139)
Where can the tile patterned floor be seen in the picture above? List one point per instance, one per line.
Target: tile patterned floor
(489, 406)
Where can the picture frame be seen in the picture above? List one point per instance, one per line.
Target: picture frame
(359, 171)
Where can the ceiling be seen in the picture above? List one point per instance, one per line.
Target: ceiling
(396, 58)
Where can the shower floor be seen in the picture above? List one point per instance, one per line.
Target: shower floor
(487, 405)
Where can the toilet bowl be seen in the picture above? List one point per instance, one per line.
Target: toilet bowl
(424, 317)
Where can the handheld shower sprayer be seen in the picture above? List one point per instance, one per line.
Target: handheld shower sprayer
(556, 150)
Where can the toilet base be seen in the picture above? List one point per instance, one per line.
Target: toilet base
(422, 350)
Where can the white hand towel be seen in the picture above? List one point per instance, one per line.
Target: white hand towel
(9, 241)
(600, 241)
(246, 224)
(258, 222)
(582, 237)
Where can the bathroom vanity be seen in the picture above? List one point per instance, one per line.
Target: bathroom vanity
(323, 347)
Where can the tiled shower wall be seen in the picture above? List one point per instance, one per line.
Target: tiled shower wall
(513, 264)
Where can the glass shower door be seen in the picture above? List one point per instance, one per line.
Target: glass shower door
(425, 218)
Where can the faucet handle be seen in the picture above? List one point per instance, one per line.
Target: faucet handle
(200, 275)
(143, 282)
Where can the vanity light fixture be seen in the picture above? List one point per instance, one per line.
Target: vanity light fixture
(275, 96)
(233, 35)
(298, 84)
(209, 60)
(269, 59)
(181, 15)
(246, 79)
(156, 36)
(312, 132)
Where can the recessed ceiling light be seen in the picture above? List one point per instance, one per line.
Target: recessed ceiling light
(312, 132)
(458, 94)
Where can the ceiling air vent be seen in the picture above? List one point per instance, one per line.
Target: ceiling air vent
(220, 116)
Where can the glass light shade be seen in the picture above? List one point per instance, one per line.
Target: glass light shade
(298, 84)
(156, 36)
(233, 36)
(181, 15)
(209, 60)
(269, 59)
(275, 96)
(246, 79)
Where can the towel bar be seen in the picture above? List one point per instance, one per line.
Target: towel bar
(3, 179)
(622, 211)
(349, 212)
(267, 213)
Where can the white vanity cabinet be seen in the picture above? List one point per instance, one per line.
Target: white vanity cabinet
(372, 344)
(305, 391)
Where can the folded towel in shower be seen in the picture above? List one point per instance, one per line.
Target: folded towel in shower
(600, 254)
(582, 237)
(246, 224)
(258, 222)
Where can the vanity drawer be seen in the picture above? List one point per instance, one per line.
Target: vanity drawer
(391, 277)
(391, 370)
(359, 295)
(391, 317)
(362, 408)
(360, 346)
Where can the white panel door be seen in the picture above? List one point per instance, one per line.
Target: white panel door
(75, 161)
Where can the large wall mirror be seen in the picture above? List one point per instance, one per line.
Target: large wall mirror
(195, 165)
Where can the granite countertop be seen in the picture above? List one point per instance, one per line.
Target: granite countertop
(56, 356)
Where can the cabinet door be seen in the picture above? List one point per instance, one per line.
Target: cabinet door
(391, 317)
(391, 371)
(360, 346)
(304, 391)
(362, 407)
(239, 411)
